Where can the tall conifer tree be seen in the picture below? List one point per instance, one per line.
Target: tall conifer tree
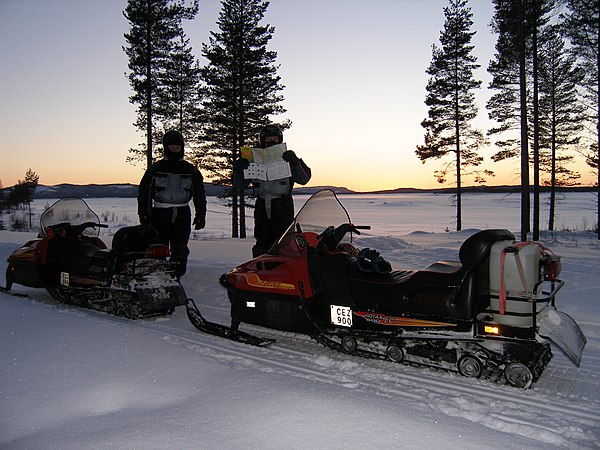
(582, 25)
(242, 92)
(561, 116)
(451, 102)
(155, 24)
(22, 192)
(509, 106)
(512, 22)
(180, 97)
(515, 70)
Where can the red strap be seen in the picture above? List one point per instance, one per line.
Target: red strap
(502, 296)
(502, 293)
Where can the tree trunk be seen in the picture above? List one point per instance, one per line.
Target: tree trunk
(148, 88)
(458, 178)
(29, 207)
(598, 125)
(242, 213)
(525, 201)
(552, 212)
(552, 190)
(536, 142)
(234, 213)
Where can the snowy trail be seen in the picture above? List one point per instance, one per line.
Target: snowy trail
(563, 395)
(563, 390)
(386, 371)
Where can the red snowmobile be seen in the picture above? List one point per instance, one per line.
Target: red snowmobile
(492, 314)
(68, 259)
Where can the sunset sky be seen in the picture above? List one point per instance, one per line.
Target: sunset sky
(354, 72)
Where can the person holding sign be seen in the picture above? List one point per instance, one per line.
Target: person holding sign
(272, 169)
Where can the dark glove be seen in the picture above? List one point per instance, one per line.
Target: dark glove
(290, 157)
(199, 223)
(145, 220)
(240, 165)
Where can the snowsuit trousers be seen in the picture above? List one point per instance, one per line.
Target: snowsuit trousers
(174, 226)
(268, 231)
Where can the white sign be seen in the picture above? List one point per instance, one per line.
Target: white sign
(341, 315)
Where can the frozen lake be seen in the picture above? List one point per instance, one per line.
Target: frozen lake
(388, 214)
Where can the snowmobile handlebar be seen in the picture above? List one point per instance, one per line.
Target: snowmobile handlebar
(332, 236)
(67, 229)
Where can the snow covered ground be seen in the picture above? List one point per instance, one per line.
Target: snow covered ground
(73, 378)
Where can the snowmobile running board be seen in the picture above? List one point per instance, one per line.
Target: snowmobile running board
(217, 329)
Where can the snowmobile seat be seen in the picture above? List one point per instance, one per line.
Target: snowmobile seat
(428, 292)
(134, 239)
(476, 249)
(474, 255)
(445, 289)
(129, 242)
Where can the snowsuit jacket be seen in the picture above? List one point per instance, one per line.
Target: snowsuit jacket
(169, 183)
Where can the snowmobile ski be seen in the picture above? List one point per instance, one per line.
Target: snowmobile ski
(217, 329)
(10, 292)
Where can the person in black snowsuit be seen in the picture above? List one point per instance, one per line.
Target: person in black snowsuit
(163, 199)
(274, 207)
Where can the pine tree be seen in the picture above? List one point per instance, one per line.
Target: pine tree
(508, 107)
(582, 26)
(22, 193)
(180, 96)
(242, 92)
(451, 102)
(561, 116)
(515, 76)
(155, 24)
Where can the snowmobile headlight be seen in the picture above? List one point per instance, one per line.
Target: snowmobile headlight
(491, 329)
(231, 279)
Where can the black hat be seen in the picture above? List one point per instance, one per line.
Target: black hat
(173, 137)
(270, 130)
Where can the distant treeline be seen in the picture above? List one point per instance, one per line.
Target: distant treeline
(131, 190)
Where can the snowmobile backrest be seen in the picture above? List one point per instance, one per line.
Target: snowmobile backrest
(134, 238)
(476, 249)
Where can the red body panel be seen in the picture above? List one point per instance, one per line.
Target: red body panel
(285, 273)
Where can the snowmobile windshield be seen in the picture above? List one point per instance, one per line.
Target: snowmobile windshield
(73, 211)
(320, 211)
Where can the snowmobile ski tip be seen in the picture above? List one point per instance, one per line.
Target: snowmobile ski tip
(217, 329)
(11, 292)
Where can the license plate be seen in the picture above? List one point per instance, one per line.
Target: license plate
(341, 315)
